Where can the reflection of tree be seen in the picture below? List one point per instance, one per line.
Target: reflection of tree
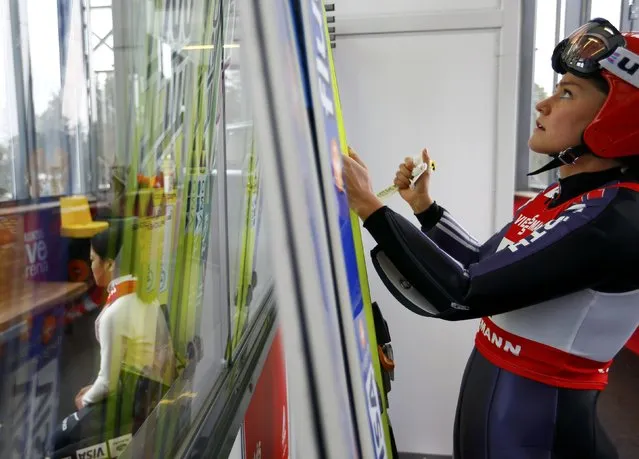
(51, 144)
(57, 139)
(6, 172)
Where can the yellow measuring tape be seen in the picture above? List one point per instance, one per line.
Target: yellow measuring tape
(420, 169)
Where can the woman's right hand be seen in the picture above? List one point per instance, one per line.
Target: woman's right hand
(79, 404)
(418, 197)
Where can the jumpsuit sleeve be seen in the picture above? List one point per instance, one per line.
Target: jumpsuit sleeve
(111, 355)
(439, 225)
(580, 248)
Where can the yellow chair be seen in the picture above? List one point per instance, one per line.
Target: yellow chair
(76, 219)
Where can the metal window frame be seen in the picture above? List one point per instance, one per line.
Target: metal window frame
(526, 81)
(213, 433)
(82, 181)
(123, 45)
(577, 12)
(224, 294)
(23, 163)
(629, 15)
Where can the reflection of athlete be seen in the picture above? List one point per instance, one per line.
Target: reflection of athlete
(557, 288)
(135, 353)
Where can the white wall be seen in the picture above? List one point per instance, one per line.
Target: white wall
(448, 84)
(359, 8)
(238, 452)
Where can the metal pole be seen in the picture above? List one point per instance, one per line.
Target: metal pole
(23, 163)
(629, 15)
(577, 12)
(125, 14)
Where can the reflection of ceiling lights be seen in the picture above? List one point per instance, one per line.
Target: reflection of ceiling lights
(205, 47)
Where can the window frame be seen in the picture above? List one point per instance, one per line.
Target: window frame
(82, 169)
(629, 15)
(22, 170)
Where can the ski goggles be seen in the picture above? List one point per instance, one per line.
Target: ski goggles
(582, 52)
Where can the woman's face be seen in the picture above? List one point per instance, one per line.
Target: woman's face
(102, 269)
(564, 116)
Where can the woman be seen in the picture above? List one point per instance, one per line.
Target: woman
(557, 289)
(135, 348)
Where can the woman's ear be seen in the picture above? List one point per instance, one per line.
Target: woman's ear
(110, 265)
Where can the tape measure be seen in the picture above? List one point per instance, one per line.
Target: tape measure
(419, 169)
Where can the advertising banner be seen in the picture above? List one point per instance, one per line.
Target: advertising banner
(266, 422)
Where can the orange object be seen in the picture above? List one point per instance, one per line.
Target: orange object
(387, 364)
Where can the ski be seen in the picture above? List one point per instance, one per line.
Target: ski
(373, 343)
(247, 277)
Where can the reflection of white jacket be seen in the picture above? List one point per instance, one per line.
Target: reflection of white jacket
(133, 334)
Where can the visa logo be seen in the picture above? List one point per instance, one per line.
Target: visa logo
(98, 451)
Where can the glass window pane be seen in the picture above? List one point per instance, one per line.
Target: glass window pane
(102, 59)
(51, 152)
(74, 98)
(110, 304)
(101, 23)
(544, 78)
(250, 273)
(607, 9)
(9, 145)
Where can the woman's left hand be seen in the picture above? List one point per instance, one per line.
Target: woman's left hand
(361, 198)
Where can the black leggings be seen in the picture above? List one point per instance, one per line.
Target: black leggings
(504, 416)
(112, 420)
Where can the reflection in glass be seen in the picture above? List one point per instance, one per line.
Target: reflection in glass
(110, 305)
(250, 274)
(56, 133)
(8, 115)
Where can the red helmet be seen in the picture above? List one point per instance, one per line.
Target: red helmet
(598, 47)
